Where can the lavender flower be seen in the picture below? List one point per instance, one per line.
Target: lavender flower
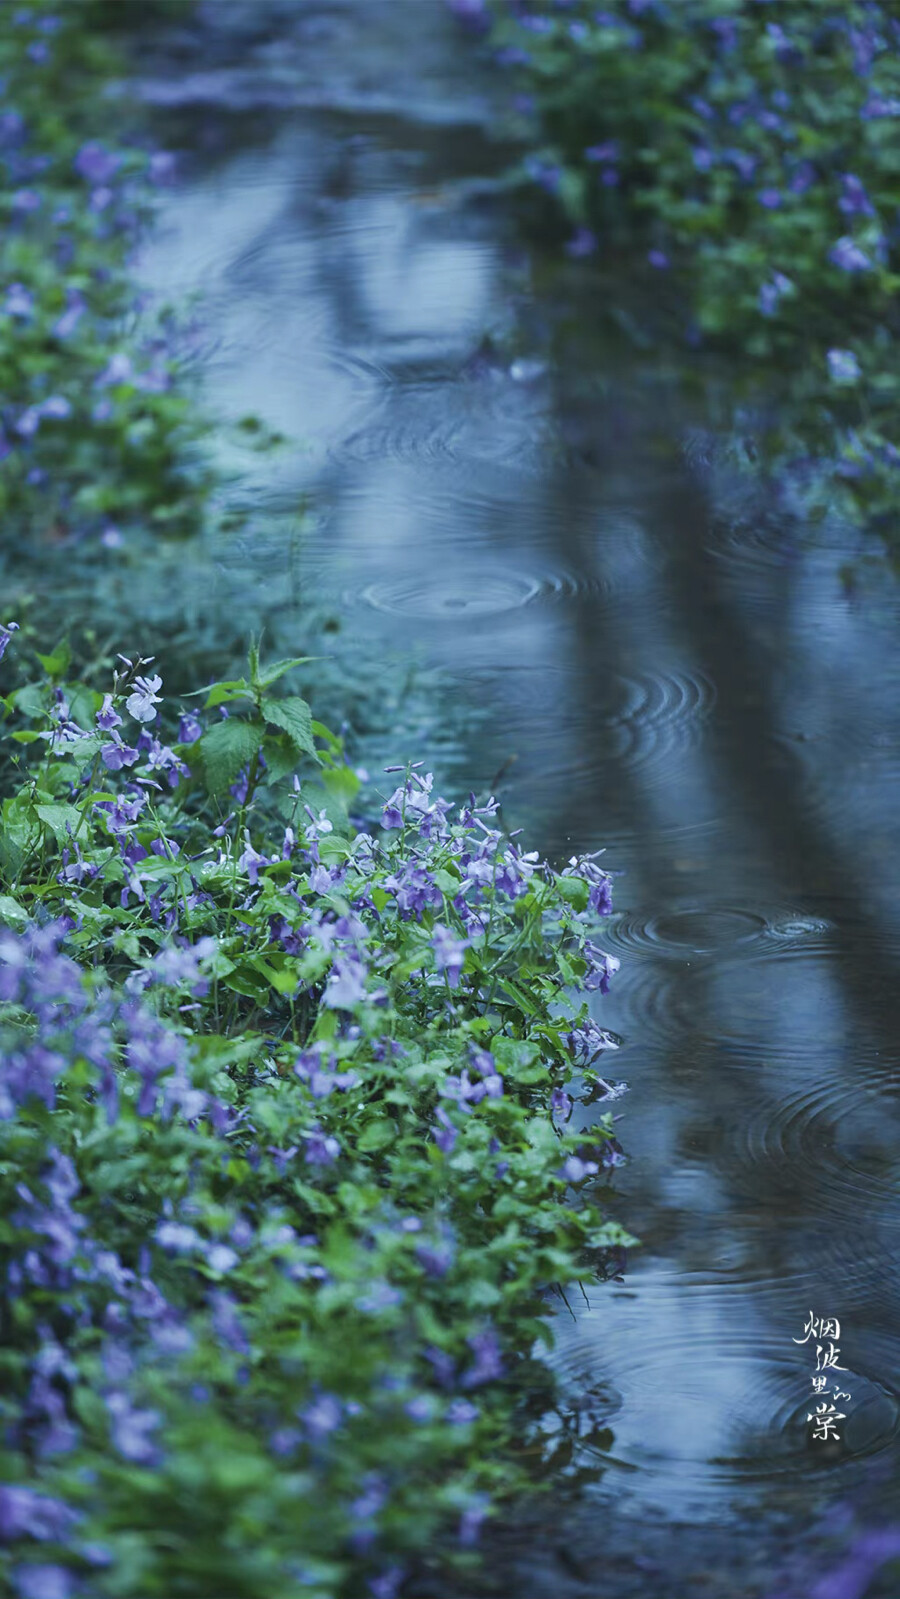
(130, 1429)
(43, 1581)
(847, 255)
(488, 1362)
(843, 367)
(27, 1513)
(854, 201)
(19, 301)
(6, 632)
(346, 984)
(582, 243)
(107, 718)
(449, 952)
(144, 698)
(96, 164)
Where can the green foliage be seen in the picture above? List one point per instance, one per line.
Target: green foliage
(737, 165)
(98, 430)
(288, 1164)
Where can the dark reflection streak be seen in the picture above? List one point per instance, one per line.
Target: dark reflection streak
(801, 851)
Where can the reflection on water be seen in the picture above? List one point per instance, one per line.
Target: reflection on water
(665, 669)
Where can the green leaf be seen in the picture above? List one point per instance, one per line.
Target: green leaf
(61, 820)
(294, 717)
(376, 1136)
(11, 912)
(281, 757)
(235, 688)
(57, 663)
(271, 674)
(225, 749)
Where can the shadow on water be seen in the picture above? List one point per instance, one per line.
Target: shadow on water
(659, 662)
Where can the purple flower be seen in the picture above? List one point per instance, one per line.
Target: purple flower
(601, 153)
(445, 1134)
(190, 728)
(227, 1324)
(471, 1519)
(802, 178)
(582, 243)
(118, 369)
(65, 325)
(323, 1416)
(386, 1584)
(588, 1041)
(601, 968)
(847, 255)
(561, 1103)
(161, 166)
(107, 718)
(771, 198)
(658, 259)
(449, 952)
(321, 1149)
(178, 1238)
(461, 1412)
(6, 632)
(346, 984)
(771, 293)
(115, 755)
(442, 1365)
(57, 407)
(488, 1363)
(436, 1258)
(25, 200)
(96, 164)
(179, 964)
(843, 367)
(26, 1513)
(43, 1581)
(121, 814)
(19, 301)
(574, 1170)
(599, 883)
(879, 105)
(130, 1429)
(854, 201)
(144, 698)
(221, 1257)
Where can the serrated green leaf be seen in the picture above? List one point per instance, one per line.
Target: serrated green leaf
(294, 717)
(281, 757)
(225, 749)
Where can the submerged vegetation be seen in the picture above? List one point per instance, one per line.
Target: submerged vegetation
(741, 162)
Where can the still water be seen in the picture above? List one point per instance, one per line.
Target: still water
(642, 655)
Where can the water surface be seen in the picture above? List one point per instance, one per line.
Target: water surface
(644, 656)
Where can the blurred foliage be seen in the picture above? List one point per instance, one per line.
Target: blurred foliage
(99, 434)
(740, 164)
